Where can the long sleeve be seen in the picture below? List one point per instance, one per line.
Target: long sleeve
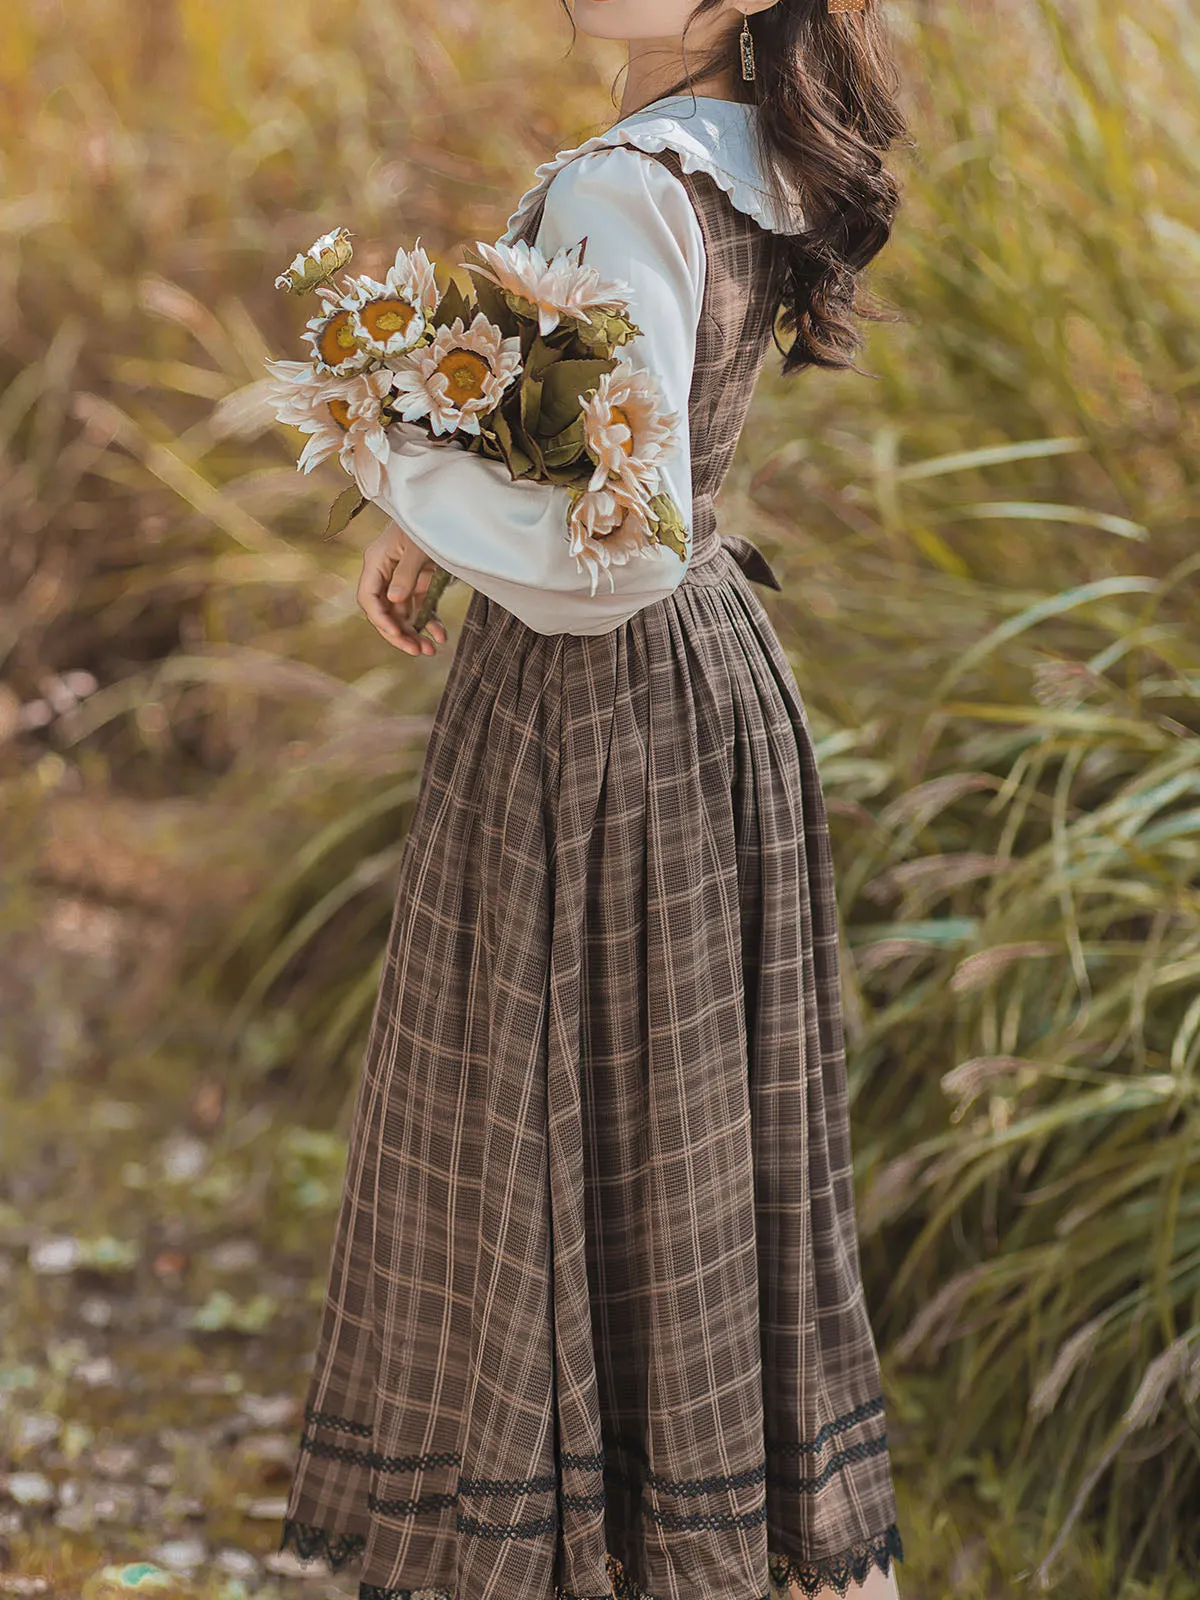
(509, 538)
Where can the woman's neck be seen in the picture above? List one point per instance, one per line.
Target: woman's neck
(656, 64)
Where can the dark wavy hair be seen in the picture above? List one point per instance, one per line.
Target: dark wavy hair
(827, 91)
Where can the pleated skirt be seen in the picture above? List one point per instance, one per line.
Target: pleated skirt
(594, 1322)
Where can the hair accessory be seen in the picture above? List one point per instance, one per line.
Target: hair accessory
(747, 44)
(846, 5)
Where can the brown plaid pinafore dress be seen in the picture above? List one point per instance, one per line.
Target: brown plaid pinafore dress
(593, 1322)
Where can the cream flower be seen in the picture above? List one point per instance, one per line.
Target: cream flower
(551, 289)
(413, 273)
(627, 430)
(389, 318)
(302, 398)
(342, 416)
(365, 447)
(333, 338)
(606, 528)
(318, 263)
(458, 378)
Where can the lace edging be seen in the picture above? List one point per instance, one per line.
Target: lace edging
(840, 1571)
(309, 1542)
(652, 134)
(810, 1577)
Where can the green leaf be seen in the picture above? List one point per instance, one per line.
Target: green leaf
(344, 510)
(669, 526)
(524, 309)
(518, 460)
(507, 423)
(605, 331)
(495, 307)
(566, 447)
(562, 388)
(541, 356)
(530, 415)
(571, 476)
(453, 304)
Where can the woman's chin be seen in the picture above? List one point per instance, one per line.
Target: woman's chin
(603, 19)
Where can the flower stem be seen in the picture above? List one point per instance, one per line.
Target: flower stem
(437, 587)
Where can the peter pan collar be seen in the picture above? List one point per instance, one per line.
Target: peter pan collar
(708, 135)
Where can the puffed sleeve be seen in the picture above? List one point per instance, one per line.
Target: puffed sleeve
(508, 537)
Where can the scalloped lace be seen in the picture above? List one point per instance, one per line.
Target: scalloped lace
(716, 138)
(310, 1543)
(840, 1571)
(836, 1572)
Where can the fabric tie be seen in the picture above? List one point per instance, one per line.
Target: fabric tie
(751, 560)
(744, 551)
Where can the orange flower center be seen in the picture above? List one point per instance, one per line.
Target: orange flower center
(339, 410)
(621, 415)
(465, 373)
(383, 318)
(336, 340)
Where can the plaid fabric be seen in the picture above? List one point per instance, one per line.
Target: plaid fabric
(593, 1322)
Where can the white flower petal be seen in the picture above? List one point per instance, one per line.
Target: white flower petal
(423, 386)
(555, 288)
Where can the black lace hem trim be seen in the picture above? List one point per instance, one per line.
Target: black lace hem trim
(840, 1571)
(310, 1542)
(836, 1572)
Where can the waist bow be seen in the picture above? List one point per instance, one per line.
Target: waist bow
(751, 560)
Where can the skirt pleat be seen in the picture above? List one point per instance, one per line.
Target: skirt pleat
(593, 1321)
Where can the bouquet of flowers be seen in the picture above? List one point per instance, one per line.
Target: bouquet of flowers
(526, 370)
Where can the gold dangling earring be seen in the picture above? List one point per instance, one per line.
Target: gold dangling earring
(747, 44)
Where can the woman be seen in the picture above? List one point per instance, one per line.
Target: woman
(594, 1323)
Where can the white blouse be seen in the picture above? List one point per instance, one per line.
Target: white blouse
(508, 538)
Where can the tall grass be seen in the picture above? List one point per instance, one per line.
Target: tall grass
(989, 554)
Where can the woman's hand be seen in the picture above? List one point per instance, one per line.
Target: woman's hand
(395, 576)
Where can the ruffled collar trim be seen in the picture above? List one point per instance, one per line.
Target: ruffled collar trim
(708, 135)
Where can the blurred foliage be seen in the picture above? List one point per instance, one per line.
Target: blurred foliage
(988, 544)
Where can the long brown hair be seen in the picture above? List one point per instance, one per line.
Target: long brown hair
(827, 91)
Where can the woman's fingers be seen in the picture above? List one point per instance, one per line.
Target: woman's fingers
(372, 595)
(405, 592)
(406, 573)
(395, 576)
